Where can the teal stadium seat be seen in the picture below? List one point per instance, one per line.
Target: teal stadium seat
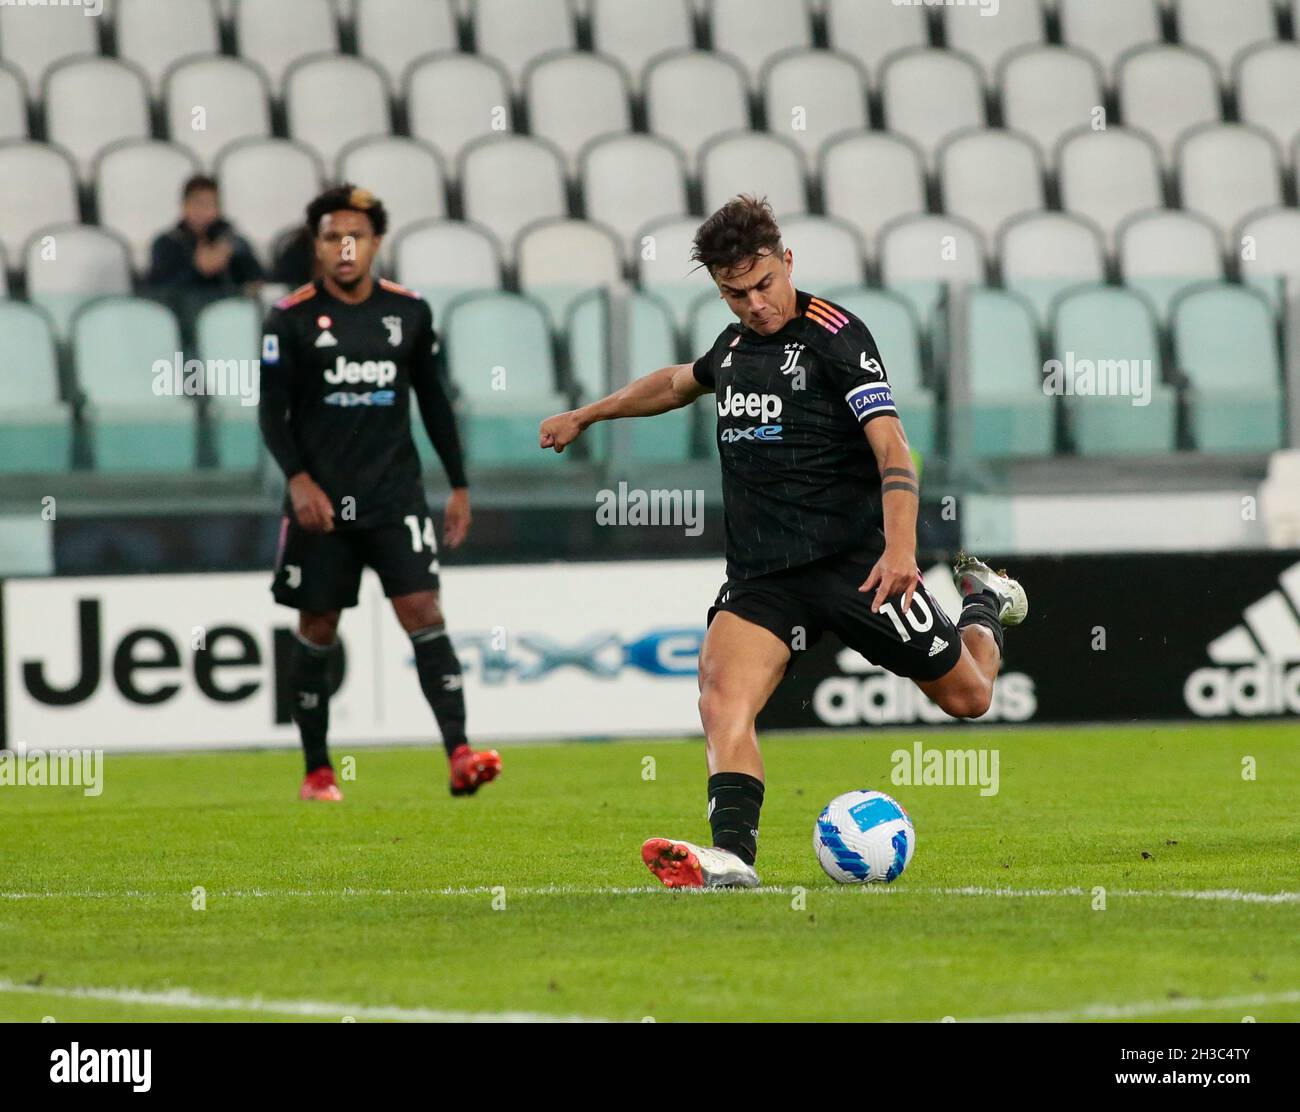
(116, 342)
(1101, 323)
(228, 333)
(1225, 342)
(666, 438)
(1009, 413)
(35, 425)
(499, 358)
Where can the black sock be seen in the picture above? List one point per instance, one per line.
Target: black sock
(310, 675)
(735, 799)
(442, 682)
(982, 608)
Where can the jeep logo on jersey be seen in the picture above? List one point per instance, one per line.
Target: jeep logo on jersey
(380, 372)
(766, 406)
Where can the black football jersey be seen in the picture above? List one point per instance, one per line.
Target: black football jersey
(799, 480)
(336, 393)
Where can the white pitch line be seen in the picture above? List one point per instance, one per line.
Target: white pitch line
(1143, 1008)
(190, 1000)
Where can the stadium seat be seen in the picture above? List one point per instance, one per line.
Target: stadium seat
(421, 253)
(405, 173)
(1228, 171)
(70, 264)
(91, 103)
(1107, 28)
(693, 96)
(666, 438)
(930, 95)
(32, 42)
(1009, 414)
(757, 163)
(1266, 81)
(754, 31)
(116, 342)
(1225, 342)
(988, 36)
(812, 95)
(989, 177)
(228, 333)
(511, 181)
(35, 424)
(13, 104)
(575, 98)
(919, 255)
(872, 30)
(827, 251)
(560, 260)
(274, 36)
(1273, 239)
(1163, 252)
(708, 316)
(155, 34)
(333, 101)
(632, 34)
(1114, 331)
(1043, 254)
(137, 183)
(38, 187)
(265, 186)
(453, 100)
(210, 103)
(871, 179)
(1049, 91)
(394, 33)
(499, 357)
(515, 34)
(1223, 31)
(893, 324)
(629, 181)
(1108, 175)
(666, 269)
(1164, 91)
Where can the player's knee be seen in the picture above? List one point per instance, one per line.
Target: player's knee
(967, 702)
(319, 629)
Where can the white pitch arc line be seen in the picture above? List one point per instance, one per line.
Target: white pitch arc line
(194, 1001)
(1216, 895)
(1143, 1008)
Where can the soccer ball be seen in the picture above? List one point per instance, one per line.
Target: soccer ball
(863, 837)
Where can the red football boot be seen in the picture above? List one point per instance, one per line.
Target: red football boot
(320, 784)
(470, 769)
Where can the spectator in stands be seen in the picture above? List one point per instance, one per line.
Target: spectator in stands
(203, 252)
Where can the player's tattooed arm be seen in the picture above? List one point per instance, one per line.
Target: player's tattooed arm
(896, 572)
(658, 392)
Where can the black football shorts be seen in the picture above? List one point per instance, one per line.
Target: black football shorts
(321, 572)
(799, 604)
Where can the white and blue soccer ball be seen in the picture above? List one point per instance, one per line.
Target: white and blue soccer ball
(864, 838)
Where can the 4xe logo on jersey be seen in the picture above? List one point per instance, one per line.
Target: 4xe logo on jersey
(379, 372)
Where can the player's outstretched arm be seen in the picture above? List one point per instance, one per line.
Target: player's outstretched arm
(658, 392)
(895, 572)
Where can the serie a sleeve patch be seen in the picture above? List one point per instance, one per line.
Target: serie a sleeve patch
(871, 400)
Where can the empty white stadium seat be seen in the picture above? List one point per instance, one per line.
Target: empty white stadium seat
(333, 101)
(988, 177)
(404, 173)
(811, 95)
(694, 96)
(454, 100)
(665, 267)
(1162, 253)
(1108, 175)
(930, 95)
(1222, 30)
(752, 31)
(514, 34)
(91, 103)
(1268, 90)
(635, 33)
(1107, 28)
(510, 182)
(1043, 254)
(420, 261)
(13, 104)
(872, 30)
(988, 35)
(265, 187)
(920, 255)
(155, 34)
(38, 187)
(871, 179)
(32, 39)
(138, 185)
(394, 33)
(35, 425)
(575, 98)
(1166, 90)
(561, 260)
(629, 181)
(1268, 245)
(1227, 171)
(275, 35)
(1049, 91)
(70, 264)
(213, 102)
(827, 252)
(756, 163)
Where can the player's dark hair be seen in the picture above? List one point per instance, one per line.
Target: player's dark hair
(738, 233)
(347, 198)
(197, 184)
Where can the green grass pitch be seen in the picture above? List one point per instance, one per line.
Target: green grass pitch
(531, 899)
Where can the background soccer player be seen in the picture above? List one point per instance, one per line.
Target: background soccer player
(820, 499)
(340, 359)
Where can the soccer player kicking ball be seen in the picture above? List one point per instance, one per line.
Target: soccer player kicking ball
(820, 499)
(340, 360)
